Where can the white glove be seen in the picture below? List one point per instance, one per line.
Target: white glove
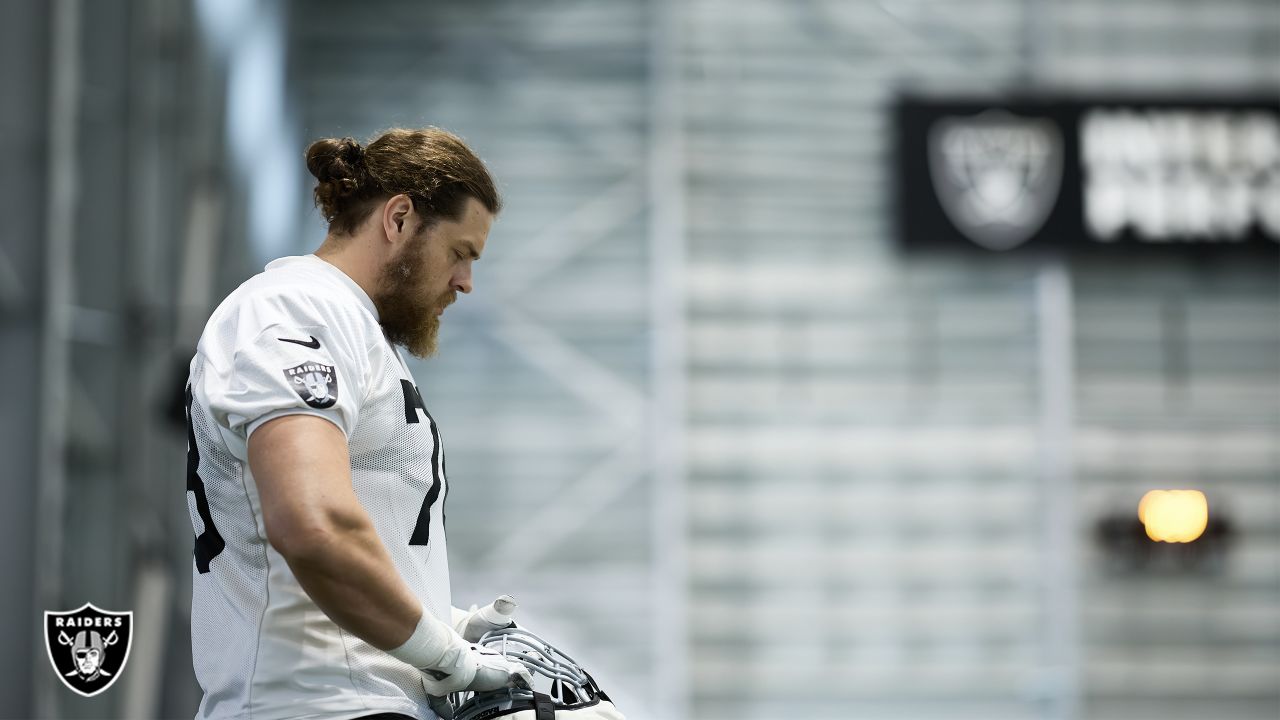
(473, 624)
(450, 664)
(466, 667)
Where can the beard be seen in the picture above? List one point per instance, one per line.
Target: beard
(407, 314)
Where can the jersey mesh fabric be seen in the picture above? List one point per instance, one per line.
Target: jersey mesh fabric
(395, 470)
(231, 606)
(262, 650)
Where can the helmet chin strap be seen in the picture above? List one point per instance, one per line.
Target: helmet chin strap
(544, 708)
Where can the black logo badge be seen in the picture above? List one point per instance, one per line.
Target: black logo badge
(997, 175)
(315, 383)
(88, 647)
(314, 344)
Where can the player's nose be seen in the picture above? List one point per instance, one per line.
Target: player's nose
(462, 279)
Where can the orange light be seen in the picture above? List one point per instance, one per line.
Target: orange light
(1176, 516)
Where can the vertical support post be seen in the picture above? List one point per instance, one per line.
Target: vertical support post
(153, 197)
(667, 418)
(24, 73)
(59, 299)
(1060, 582)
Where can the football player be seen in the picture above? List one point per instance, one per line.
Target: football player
(315, 474)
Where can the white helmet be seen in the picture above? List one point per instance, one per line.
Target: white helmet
(562, 690)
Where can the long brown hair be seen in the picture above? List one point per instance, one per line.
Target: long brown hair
(434, 167)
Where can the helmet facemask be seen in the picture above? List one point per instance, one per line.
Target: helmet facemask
(559, 683)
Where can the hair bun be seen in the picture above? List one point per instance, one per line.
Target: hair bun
(338, 163)
(352, 151)
(334, 158)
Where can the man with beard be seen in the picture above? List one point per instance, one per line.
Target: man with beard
(315, 475)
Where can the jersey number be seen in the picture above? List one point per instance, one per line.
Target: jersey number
(208, 543)
(412, 403)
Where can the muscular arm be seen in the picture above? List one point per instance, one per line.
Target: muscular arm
(315, 521)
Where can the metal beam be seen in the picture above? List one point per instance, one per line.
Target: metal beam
(59, 301)
(1060, 681)
(589, 223)
(577, 372)
(571, 508)
(12, 290)
(668, 416)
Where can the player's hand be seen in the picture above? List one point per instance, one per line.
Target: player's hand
(495, 672)
(473, 668)
(494, 616)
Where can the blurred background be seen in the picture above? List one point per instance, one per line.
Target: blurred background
(815, 369)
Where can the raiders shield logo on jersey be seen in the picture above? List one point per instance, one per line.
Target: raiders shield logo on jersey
(996, 175)
(315, 383)
(88, 647)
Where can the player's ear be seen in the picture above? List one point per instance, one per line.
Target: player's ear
(396, 218)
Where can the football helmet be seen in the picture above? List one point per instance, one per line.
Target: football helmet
(562, 690)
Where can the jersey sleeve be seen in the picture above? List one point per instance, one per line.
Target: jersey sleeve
(290, 355)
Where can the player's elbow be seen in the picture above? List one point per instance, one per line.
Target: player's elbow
(305, 538)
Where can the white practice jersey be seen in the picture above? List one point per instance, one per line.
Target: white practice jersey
(303, 338)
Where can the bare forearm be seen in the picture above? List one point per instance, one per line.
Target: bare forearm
(314, 519)
(349, 575)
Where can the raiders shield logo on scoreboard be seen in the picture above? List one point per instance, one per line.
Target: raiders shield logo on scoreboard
(88, 647)
(996, 175)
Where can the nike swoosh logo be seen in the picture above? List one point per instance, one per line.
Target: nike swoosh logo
(314, 344)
